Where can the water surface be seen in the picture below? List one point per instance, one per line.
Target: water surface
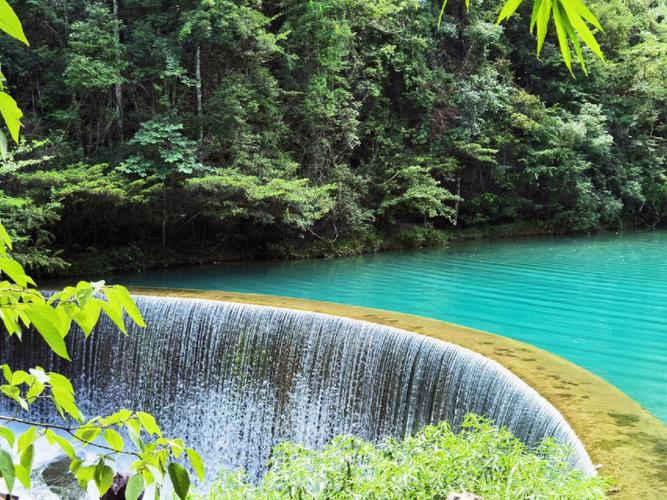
(599, 301)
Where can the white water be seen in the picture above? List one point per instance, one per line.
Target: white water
(235, 379)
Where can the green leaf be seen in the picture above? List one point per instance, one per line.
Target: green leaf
(5, 240)
(87, 316)
(26, 439)
(8, 436)
(149, 423)
(47, 323)
(121, 295)
(180, 479)
(584, 12)
(196, 462)
(23, 475)
(4, 147)
(442, 12)
(114, 439)
(87, 434)
(11, 113)
(103, 477)
(7, 469)
(64, 444)
(134, 487)
(7, 372)
(114, 312)
(542, 23)
(582, 30)
(135, 437)
(10, 24)
(27, 457)
(15, 271)
(508, 9)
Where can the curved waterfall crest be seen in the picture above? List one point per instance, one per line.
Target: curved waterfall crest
(235, 379)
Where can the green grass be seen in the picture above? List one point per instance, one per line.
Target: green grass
(481, 459)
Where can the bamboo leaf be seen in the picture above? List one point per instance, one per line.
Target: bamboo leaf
(10, 24)
(508, 9)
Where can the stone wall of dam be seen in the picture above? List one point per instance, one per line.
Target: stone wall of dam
(235, 379)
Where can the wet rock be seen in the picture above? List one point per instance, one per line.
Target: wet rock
(60, 481)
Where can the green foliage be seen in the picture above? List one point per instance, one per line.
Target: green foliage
(162, 150)
(24, 311)
(93, 50)
(481, 459)
(234, 129)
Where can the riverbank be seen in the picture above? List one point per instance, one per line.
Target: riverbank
(143, 256)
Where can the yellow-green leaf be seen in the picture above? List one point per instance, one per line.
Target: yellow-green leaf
(11, 113)
(196, 462)
(9, 22)
(508, 9)
(114, 439)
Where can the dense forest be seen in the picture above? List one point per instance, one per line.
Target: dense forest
(166, 132)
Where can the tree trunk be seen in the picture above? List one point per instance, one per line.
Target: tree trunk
(457, 203)
(198, 91)
(118, 89)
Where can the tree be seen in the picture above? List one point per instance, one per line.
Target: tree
(24, 310)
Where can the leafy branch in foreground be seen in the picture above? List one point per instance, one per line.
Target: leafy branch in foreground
(24, 310)
(572, 19)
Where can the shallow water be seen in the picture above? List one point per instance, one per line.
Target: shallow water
(599, 301)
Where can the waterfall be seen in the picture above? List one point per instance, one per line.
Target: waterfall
(235, 379)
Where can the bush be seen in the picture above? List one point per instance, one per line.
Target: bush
(481, 459)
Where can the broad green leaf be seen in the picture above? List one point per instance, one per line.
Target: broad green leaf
(5, 239)
(9, 22)
(15, 271)
(134, 487)
(103, 477)
(64, 444)
(179, 479)
(11, 113)
(23, 475)
(7, 372)
(115, 313)
(7, 469)
(135, 437)
(122, 296)
(87, 316)
(8, 436)
(47, 323)
(26, 439)
(87, 434)
(149, 423)
(196, 462)
(27, 457)
(114, 439)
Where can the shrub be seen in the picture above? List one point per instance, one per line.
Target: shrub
(481, 459)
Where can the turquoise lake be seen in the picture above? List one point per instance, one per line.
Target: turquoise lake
(599, 301)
